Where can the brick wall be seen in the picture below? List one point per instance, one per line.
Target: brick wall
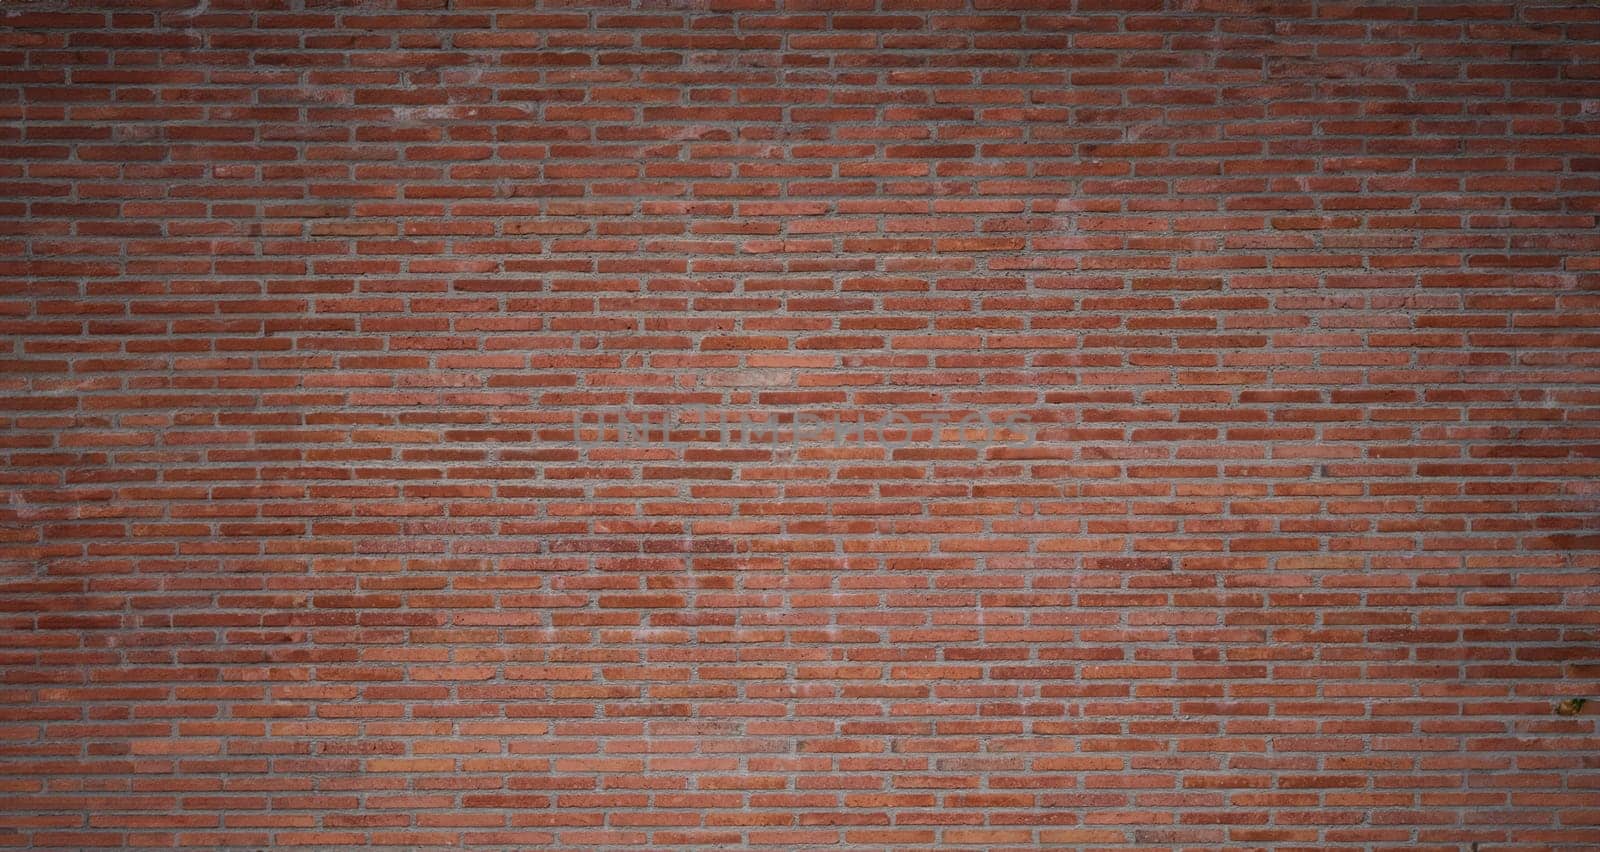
(1135, 424)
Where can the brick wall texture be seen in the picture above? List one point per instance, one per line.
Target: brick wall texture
(868, 424)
